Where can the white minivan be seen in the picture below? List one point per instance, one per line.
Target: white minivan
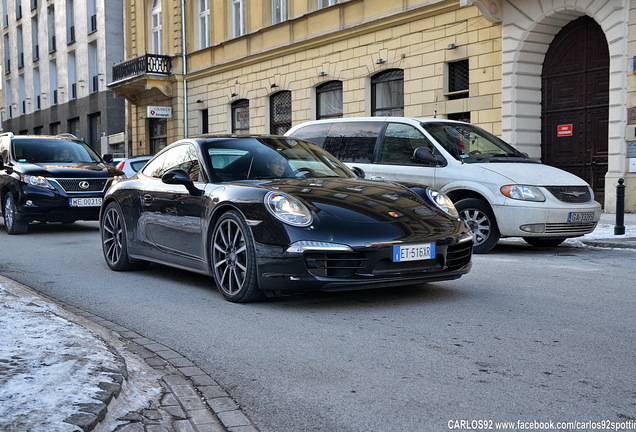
(499, 191)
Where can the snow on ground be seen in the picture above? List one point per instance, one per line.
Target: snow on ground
(47, 365)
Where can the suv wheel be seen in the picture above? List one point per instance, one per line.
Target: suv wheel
(12, 224)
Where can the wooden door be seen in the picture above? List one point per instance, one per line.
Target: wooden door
(575, 102)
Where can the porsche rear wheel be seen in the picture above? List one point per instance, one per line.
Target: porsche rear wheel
(234, 259)
(114, 243)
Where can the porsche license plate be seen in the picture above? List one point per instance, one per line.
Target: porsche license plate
(415, 252)
(84, 202)
(581, 217)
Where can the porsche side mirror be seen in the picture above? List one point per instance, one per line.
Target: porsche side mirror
(108, 158)
(179, 176)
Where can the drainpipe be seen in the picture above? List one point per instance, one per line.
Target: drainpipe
(183, 66)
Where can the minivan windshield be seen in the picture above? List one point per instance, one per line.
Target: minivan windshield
(49, 150)
(469, 143)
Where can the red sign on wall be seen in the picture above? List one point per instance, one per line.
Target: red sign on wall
(564, 130)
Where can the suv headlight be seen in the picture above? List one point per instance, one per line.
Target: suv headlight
(38, 181)
(442, 201)
(288, 209)
(523, 192)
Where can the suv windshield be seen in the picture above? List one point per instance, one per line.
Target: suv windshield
(470, 143)
(43, 150)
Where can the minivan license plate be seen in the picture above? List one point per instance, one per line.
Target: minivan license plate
(415, 252)
(84, 202)
(581, 217)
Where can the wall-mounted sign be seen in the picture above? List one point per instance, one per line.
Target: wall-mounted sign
(159, 112)
(631, 149)
(564, 130)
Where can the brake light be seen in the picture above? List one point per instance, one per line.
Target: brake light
(120, 165)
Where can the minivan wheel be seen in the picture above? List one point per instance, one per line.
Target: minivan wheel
(12, 224)
(543, 241)
(481, 220)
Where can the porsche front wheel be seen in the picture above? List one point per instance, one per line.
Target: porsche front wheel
(234, 259)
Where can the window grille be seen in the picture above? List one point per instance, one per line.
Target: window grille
(458, 79)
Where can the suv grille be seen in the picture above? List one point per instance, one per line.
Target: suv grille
(73, 185)
(571, 194)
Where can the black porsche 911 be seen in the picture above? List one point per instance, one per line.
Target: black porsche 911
(271, 215)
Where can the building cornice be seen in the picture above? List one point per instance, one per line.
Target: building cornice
(490, 9)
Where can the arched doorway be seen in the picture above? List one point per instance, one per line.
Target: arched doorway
(575, 102)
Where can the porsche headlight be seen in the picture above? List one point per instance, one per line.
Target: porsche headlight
(523, 192)
(288, 209)
(442, 201)
(38, 181)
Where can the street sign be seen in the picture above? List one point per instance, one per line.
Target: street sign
(564, 130)
(159, 112)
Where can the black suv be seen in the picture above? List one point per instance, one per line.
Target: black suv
(50, 179)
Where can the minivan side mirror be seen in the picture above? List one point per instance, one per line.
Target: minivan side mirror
(359, 172)
(424, 154)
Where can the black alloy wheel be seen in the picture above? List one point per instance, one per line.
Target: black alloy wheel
(234, 259)
(114, 246)
(481, 220)
(12, 224)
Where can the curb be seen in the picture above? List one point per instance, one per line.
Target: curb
(191, 400)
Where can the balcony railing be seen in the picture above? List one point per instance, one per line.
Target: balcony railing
(148, 63)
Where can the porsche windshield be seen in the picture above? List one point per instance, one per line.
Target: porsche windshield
(470, 143)
(265, 158)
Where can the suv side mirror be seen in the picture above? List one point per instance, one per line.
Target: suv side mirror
(424, 154)
(179, 176)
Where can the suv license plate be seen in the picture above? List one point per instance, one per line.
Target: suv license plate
(416, 252)
(84, 202)
(581, 217)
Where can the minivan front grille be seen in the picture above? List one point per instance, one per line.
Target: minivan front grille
(82, 185)
(571, 194)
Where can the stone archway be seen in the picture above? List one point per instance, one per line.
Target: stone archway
(528, 28)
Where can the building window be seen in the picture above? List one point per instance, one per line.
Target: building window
(156, 29)
(91, 14)
(279, 11)
(204, 23)
(51, 24)
(238, 18)
(462, 116)
(326, 3)
(93, 67)
(72, 75)
(20, 47)
(53, 82)
(387, 93)
(54, 128)
(158, 134)
(35, 48)
(74, 126)
(280, 112)
(329, 100)
(205, 125)
(241, 117)
(70, 21)
(458, 80)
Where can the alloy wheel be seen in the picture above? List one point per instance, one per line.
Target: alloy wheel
(230, 257)
(112, 232)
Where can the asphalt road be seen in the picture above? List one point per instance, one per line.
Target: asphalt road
(529, 335)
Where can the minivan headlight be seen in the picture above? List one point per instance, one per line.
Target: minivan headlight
(442, 201)
(288, 209)
(38, 181)
(523, 192)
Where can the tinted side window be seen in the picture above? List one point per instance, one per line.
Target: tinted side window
(316, 133)
(154, 168)
(353, 141)
(184, 157)
(399, 143)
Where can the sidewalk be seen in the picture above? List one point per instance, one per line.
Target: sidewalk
(65, 370)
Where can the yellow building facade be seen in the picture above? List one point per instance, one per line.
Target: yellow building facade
(236, 66)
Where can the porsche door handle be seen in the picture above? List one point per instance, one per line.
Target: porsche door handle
(147, 200)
